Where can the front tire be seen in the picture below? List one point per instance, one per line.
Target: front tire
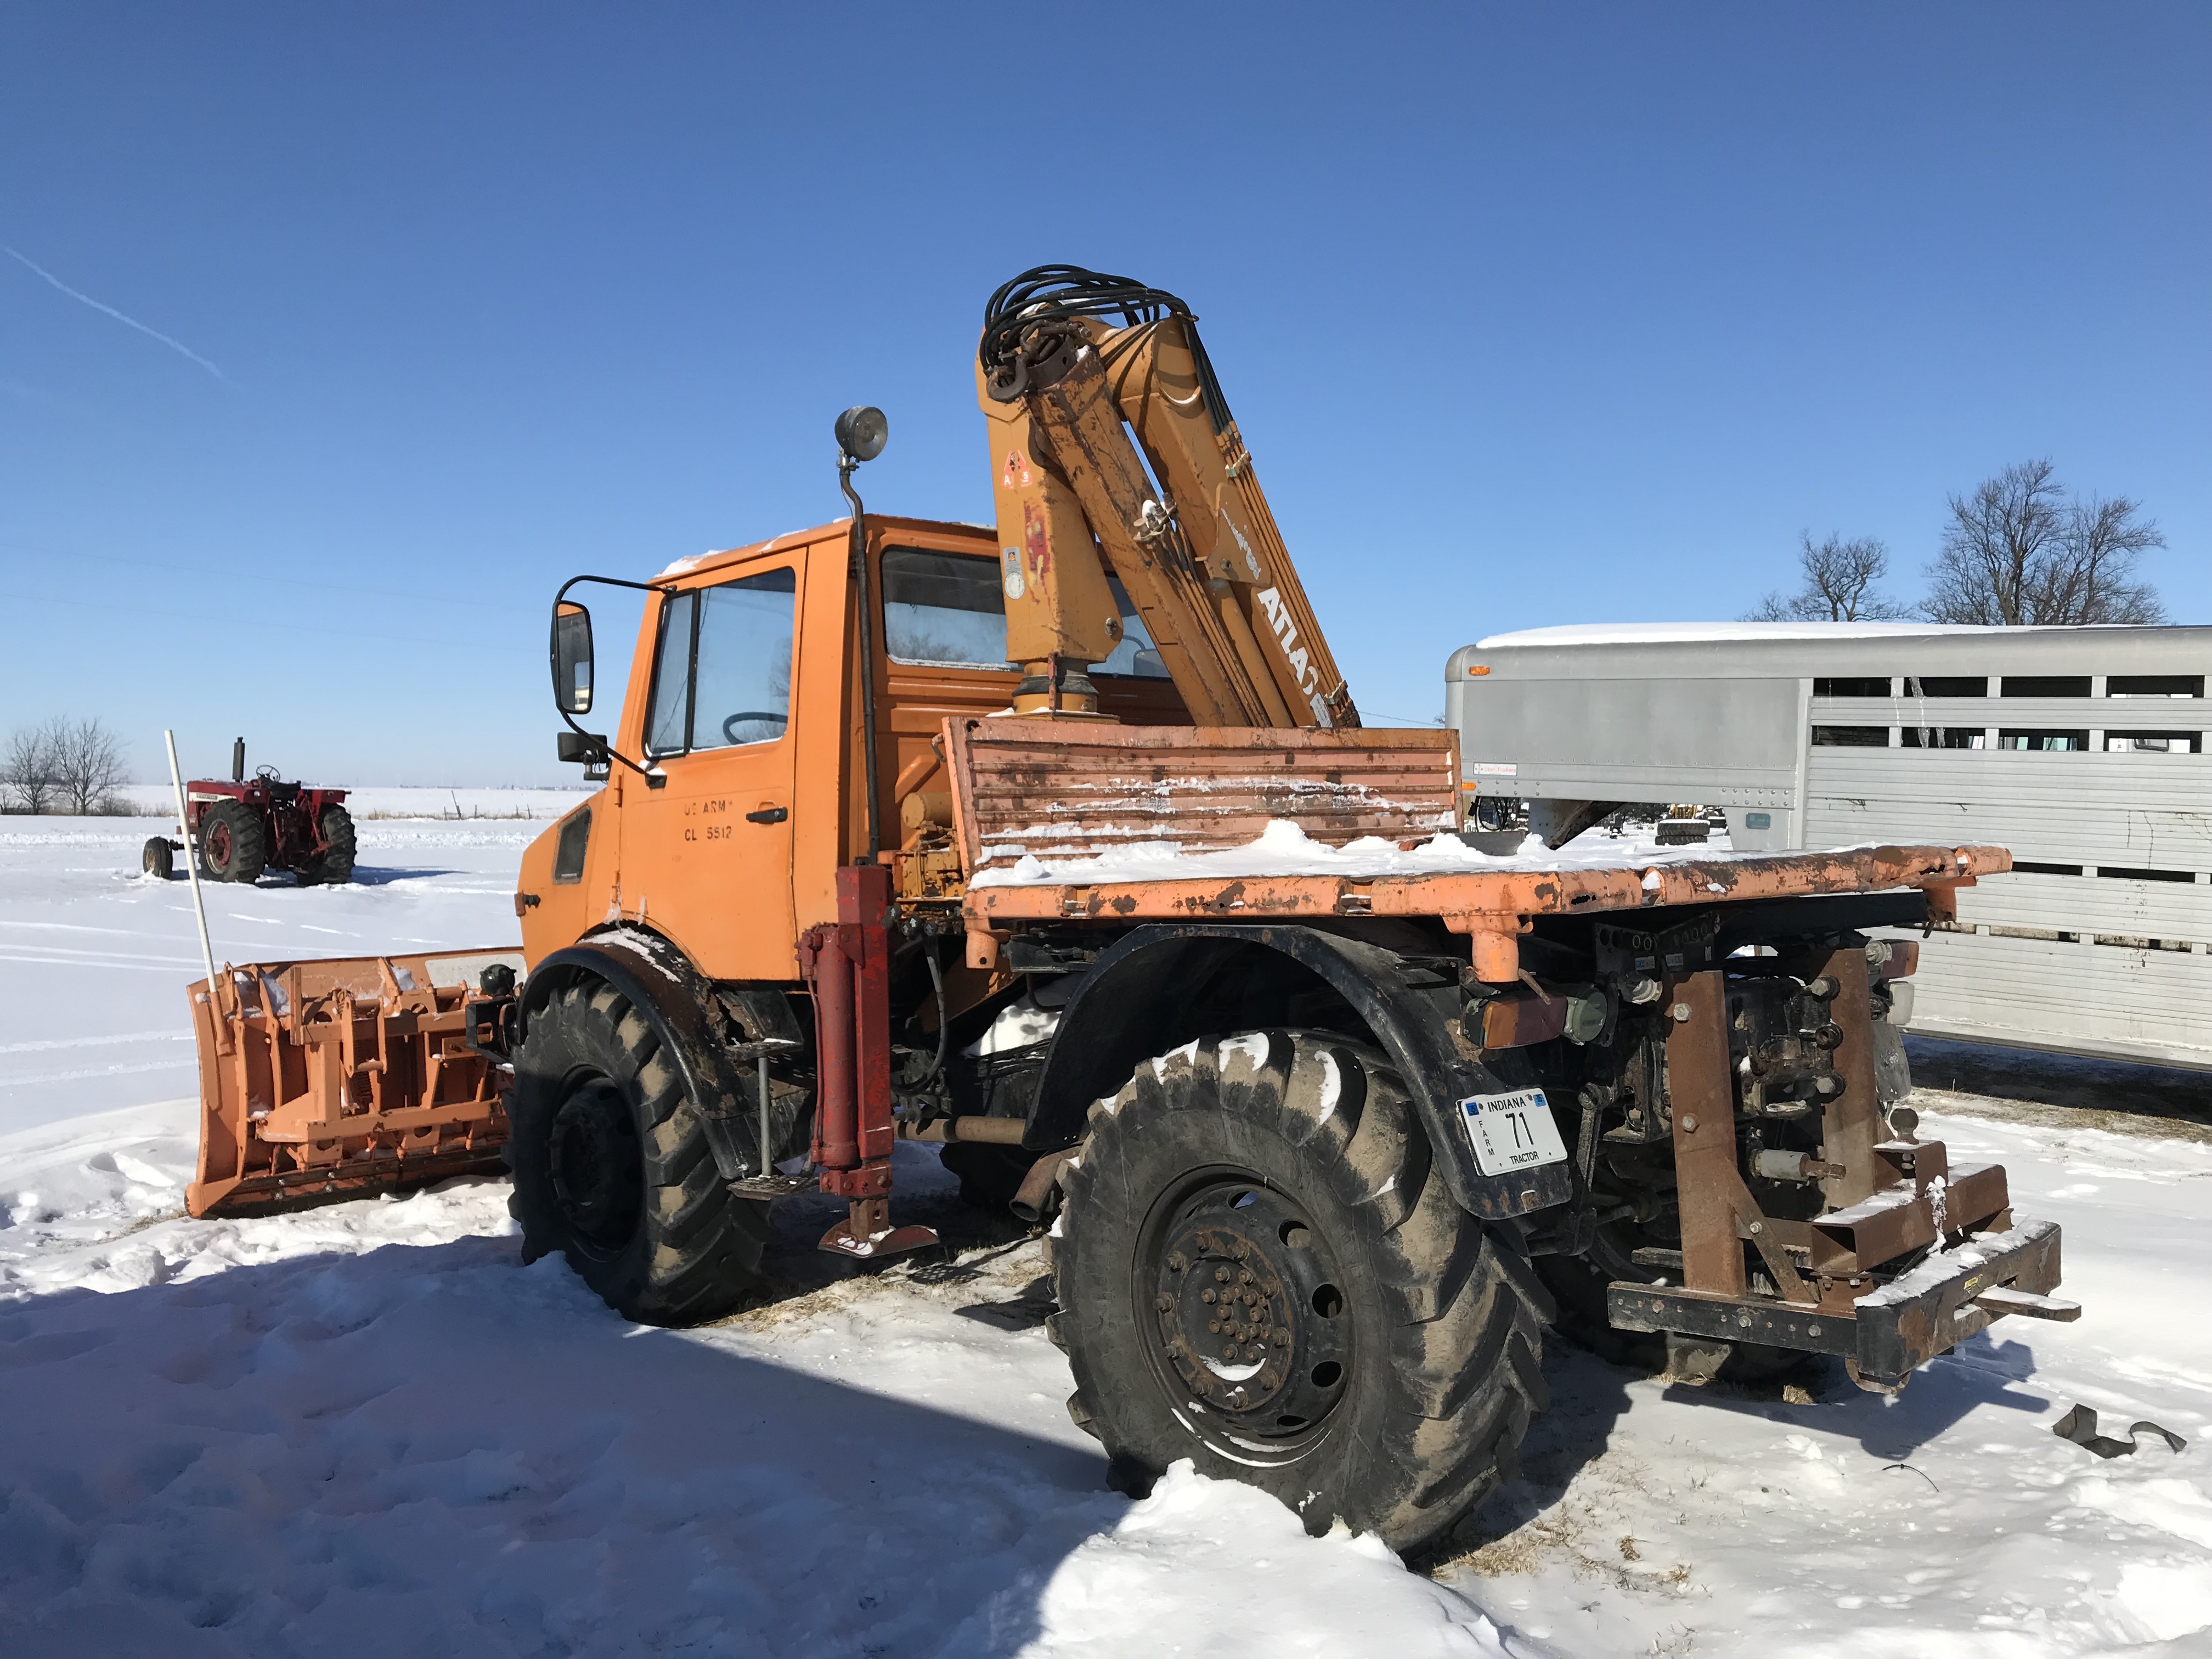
(1261, 1267)
(233, 844)
(334, 862)
(156, 859)
(611, 1166)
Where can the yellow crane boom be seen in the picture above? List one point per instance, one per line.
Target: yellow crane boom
(1112, 451)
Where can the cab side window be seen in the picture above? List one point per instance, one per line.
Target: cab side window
(949, 611)
(943, 609)
(721, 674)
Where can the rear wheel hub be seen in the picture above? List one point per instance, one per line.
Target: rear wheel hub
(599, 1170)
(1252, 1317)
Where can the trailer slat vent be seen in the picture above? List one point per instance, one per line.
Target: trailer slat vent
(1947, 686)
(2154, 742)
(2043, 739)
(1943, 737)
(2154, 685)
(2045, 685)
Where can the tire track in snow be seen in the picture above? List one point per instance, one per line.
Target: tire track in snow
(46, 1044)
(93, 1071)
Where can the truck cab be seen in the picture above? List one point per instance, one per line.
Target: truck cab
(743, 714)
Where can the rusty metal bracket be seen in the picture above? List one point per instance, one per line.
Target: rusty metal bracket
(1717, 1208)
(1886, 1334)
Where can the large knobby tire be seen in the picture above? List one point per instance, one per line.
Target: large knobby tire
(611, 1166)
(334, 862)
(1269, 1203)
(157, 859)
(233, 842)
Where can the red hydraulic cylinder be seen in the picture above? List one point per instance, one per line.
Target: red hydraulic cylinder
(864, 903)
(836, 1139)
(849, 968)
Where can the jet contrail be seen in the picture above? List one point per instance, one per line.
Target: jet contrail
(174, 345)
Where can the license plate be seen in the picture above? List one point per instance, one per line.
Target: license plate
(1512, 1130)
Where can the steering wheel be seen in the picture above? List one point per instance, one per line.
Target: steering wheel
(744, 714)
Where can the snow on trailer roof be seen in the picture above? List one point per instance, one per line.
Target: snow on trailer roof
(1660, 633)
(1790, 649)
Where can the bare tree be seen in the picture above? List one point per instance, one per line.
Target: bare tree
(2017, 552)
(29, 773)
(1837, 585)
(88, 764)
(2095, 583)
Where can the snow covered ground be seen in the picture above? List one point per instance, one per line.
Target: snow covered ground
(403, 802)
(94, 956)
(368, 1430)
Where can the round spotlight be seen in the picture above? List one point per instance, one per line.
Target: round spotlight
(861, 431)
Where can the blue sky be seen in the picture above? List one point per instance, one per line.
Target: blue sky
(1531, 315)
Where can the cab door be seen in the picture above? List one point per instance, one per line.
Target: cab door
(706, 859)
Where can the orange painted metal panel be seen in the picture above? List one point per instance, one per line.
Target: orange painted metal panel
(1493, 902)
(332, 1078)
(1075, 789)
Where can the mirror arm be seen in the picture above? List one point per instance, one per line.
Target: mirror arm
(654, 779)
(864, 603)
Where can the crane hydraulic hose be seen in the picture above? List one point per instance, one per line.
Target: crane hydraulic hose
(1016, 320)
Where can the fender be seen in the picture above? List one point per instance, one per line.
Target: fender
(662, 985)
(1128, 1009)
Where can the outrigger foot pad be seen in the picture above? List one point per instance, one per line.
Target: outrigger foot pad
(866, 1234)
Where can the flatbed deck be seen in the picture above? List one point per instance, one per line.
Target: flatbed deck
(1059, 823)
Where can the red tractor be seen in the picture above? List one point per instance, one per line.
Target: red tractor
(247, 825)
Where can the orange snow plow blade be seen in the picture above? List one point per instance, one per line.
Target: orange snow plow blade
(332, 1079)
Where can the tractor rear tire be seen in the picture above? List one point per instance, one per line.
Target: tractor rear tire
(157, 861)
(1261, 1267)
(233, 842)
(334, 862)
(611, 1166)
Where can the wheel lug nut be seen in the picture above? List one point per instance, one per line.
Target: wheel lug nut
(1206, 1294)
(1163, 1302)
(1178, 1261)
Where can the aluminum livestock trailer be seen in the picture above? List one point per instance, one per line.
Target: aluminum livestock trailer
(2081, 748)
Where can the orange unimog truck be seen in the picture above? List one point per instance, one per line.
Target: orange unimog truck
(1061, 844)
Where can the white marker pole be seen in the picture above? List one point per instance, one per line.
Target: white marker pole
(191, 864)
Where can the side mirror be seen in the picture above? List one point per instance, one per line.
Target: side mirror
(571, 658)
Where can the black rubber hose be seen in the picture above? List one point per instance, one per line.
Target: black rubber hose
(1050, 293)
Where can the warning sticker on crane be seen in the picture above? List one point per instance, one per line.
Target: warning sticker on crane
(1512, 1130)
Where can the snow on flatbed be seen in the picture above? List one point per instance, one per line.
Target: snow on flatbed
(1044, 854)
(369, 1429)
